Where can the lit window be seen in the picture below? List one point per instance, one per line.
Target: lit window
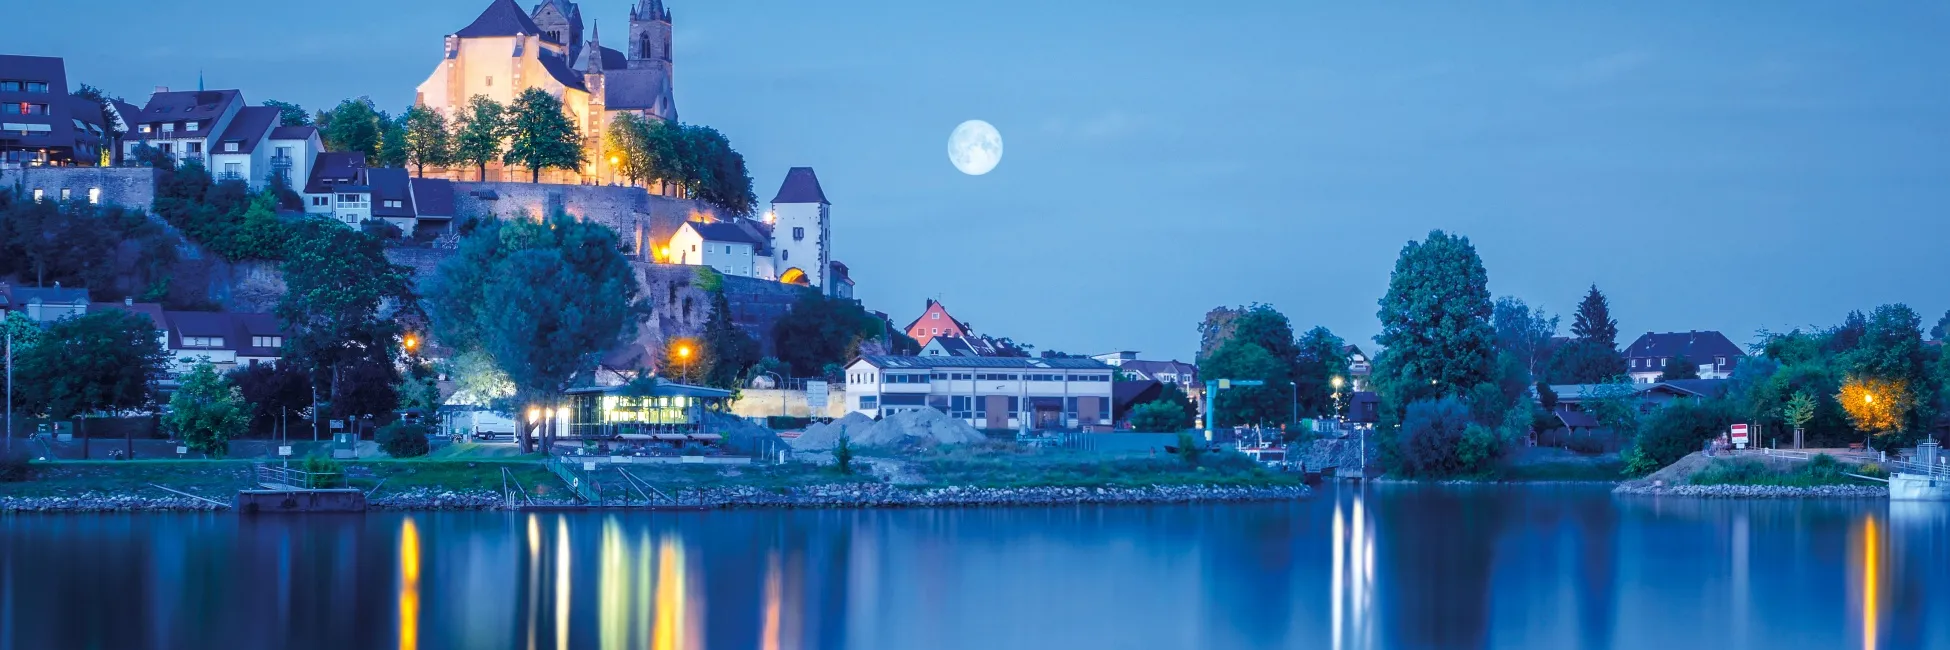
(230, 146)
(144, 128)
(94, 196)
(189, 126)
(37, 195)
(66, 194)
(169, 127)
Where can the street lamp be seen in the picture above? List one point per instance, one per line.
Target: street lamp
(684, 362)
(412, 343)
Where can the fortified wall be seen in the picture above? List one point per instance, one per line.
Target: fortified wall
(133, 187)
(639, 218)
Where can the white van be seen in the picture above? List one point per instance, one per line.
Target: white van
(484, 425)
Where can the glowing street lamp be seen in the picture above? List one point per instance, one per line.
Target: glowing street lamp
(684, 362)
(412, 343)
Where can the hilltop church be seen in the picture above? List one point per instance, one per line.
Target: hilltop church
(506, 51)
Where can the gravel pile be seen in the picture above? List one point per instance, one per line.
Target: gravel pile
(1756, 491)
(924, 426)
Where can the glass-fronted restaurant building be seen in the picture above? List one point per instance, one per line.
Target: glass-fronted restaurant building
(643, 408)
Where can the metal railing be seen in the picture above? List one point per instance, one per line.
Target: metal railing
(584, 488)
(279, 477)
(1933, 471)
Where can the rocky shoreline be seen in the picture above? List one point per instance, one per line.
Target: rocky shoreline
(822, 496)
(1755, 491)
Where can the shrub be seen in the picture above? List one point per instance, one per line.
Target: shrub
(14, 469)
(1190, 448)
(403, 440)
(1431, 438)
(1588, 445)
(323, 473)
(1679, 429)
(843, 455)
(1160, 417)
(1480, 445)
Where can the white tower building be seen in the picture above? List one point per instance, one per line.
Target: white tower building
(801, 230)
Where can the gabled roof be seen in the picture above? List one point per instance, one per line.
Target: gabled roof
(247, 129)
(613, 61)
(336, 168)
(1698, 347)
(944, 310)
(800, 186)
(46, 295)
(433, 198)
(152, 310)
(502, 18)
(558, 67)
(127, 113)
(390, 184)
(640, 89)
(202, 105)
(723, 232)
(293, 132)
(1151, 369)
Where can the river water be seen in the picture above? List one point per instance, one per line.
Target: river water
(1388, 567)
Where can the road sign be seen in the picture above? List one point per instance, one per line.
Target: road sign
(284, 450)
(816, 395)
(1740, 435)
(1248, 382)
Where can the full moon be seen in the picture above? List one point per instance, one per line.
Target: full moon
(975, 147)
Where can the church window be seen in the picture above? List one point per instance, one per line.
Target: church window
(666, 46)
(490, 81)
(785, 255)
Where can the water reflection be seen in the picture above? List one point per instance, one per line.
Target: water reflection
(1382, 568)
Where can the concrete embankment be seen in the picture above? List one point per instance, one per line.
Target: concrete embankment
(1756, 491)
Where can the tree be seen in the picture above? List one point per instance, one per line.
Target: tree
(274, 392)
(540, 135)
(719, 176)
(1675, 430)
(481, 133)
(1594, 322)
(1430, 439)
(206, 411)
(109, 360)
(478, 382)
(843, 454)
(627, 142)
(1160, 416)
(1798, 411)
(1322, 358)
(1679, 367)
(819, 331)
(542, 299)
(1941, 330)
(428, 139)
(353, 125)
(290, 114)
(1435, 322)
(1875, 405)
(1585, 362)
(1524, 333)
(420, 392)
(107, 103)
(1891, 345)
(393, 150)
(336, 282)
(1268, 404)
(728, 351)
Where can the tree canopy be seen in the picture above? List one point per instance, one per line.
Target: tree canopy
(479, 133)
(290, 114)
(353, 125)
(540, 135)
(206, 411)
(1594, 322)
(1435, 322)
(1524, 333)
(108, 360)
(1679, 367)
(822, 331)
(698, 160)
(428, 139)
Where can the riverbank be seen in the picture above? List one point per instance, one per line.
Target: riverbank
(1759, 476)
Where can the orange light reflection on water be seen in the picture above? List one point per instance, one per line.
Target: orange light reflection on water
(1871, 566)
(409, 589)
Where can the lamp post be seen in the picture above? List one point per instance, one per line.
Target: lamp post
(684, 362)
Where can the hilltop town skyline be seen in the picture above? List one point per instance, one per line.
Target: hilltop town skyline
(1676, 168)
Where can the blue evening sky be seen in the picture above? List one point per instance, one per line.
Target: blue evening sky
(1710, 165)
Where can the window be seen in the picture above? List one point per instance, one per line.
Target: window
(394, 203)
(284, 152)
(267, 341)
(9, 86)
(936, 331)
(37, 195)
(869, 402)
(1719, 362)
(193, 148)
(189, 126)
(169, 127)
(66, 194)
(320, 201)
(36, 86)
(202, 341)
(143, 128)
(11, 108)
(490, 81)
(233, 170)
(230, 147)
(94, 196)
(785, 255)
(1662, 363)
(798, 233)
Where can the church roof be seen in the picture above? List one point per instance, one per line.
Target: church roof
(502, 18)
(641, 89)
(801, 186)
(558, 67)
(613, 61)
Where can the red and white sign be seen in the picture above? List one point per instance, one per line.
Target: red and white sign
(1740, 434)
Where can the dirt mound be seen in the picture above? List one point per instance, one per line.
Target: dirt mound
(925, 426)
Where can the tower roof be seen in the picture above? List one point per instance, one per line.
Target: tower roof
(650, 10)
(801, 186)
(502, 18)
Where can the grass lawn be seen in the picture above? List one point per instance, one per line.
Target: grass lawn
(1004, 465)
(216, 479)
(1822, 470)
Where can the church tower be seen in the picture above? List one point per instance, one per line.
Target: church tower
(561, 24)
(650, 36)
(598, 118)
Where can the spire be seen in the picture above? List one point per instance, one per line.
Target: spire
(199, 79)
(595, 52)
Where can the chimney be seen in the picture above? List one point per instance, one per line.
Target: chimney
(162, 89)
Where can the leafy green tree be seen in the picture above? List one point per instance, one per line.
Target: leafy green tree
(1268, 404)
(1615, 405)
(1679, 367)
(819, 331)
(627, 142)
(843, 455)
(393, 150)
(1675, 430)
(1435, 323)
(1585, 362)
(481, 133)
(1798, 410)
(420, 392)
(478, 382)
(1524, 333)
(728, 351)
(1429, 442)
(353, 125)
(109, 360)
(540, 135)
(290, 114)
(207, 411)
(1160, 416)
(106, 102)
(276, 393)
(720, 176)
(542, 299)
(429, 141)
(1322, 357)
(336, 282)
(1941, 330)
(1594, 322)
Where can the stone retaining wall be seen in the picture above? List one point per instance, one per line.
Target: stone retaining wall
(132, 187)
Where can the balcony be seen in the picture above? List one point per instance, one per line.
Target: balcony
(281, 162)
(230, 176)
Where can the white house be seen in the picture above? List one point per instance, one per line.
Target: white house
(226, 341)
(987, 392)
(733, 248)
(338, 188)
(239, 153)
(292, 151)
(1710, 352)
(183, 124)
